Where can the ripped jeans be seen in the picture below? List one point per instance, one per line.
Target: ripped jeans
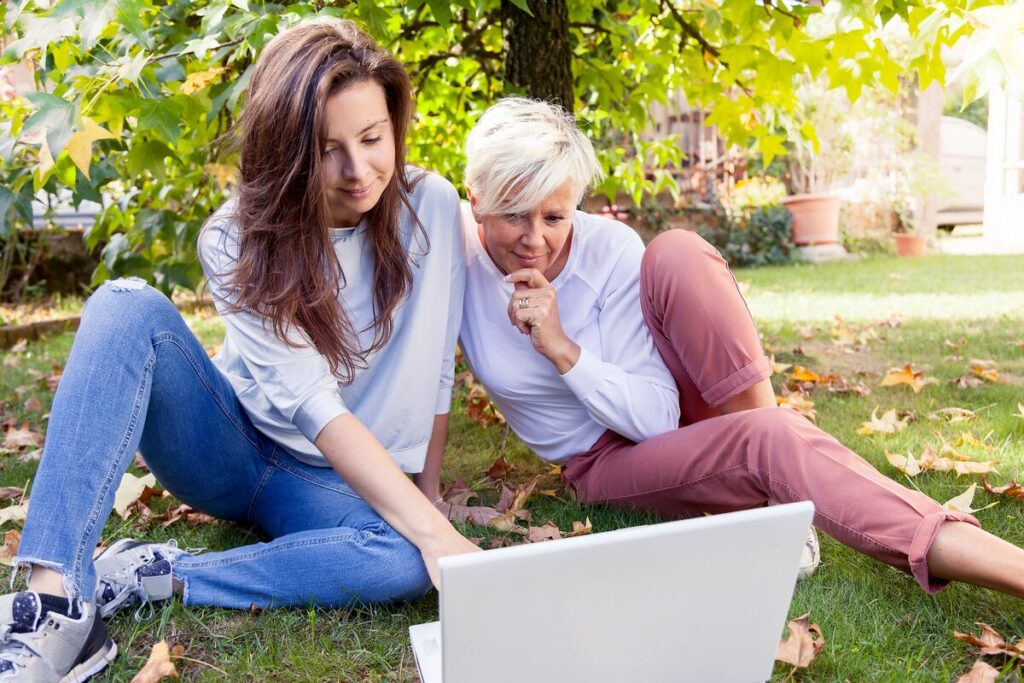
(137, 378)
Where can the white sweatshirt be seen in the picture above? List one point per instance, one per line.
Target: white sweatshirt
(618, 383)
(290, 394)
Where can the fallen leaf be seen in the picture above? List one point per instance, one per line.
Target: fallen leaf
(499, 469)
(951, 415)
(548, 532)
(523, 493)
(990, 642)
(580, 528)
(131, 489)
(907, 375)
(802, 374)
(188, 514)
(777, 368)
(955, 347)
(480, 408)
(968, 382)
(965, 501)
(1011, 490)
(985, 369)
(457, 493)
(498, 542)
(158, 667)
(33, 405)
(803, 645)
(968, 439)
(961, 467)
(906, 464)
(981, 672)
(14, 513)
(889, 423)
(16, 439)
(11, 492)
(10, 547)
(800, 403)
(30, 456)
(507, 523)
(1020, 411)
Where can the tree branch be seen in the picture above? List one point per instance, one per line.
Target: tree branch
(781, 10)
(690, 30)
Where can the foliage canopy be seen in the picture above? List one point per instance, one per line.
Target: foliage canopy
(134, 98)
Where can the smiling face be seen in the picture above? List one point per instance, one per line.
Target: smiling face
(359, 151)
(538, 238)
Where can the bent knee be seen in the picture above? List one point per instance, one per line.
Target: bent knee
(683, 259)
(130, 301)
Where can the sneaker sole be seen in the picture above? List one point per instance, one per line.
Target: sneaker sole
(92, 666)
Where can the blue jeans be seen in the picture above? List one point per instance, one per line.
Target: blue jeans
(137, 379)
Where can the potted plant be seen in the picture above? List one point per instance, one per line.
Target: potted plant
(820, 155)
(917, 179)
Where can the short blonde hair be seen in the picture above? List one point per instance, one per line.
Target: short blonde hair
(522, 150)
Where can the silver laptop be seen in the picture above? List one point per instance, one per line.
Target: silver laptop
(702, 599)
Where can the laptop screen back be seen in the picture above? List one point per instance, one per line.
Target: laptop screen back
(702, 600)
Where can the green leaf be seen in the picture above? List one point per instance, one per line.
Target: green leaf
(129, 15)
(54, 114)
(38, 33)
(162, 116)
(151, 156)
(523, 5)
(442, 11)
(6, 202)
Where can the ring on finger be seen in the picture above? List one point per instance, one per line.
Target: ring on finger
(524, 303)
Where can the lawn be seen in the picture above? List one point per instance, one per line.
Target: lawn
(855, 320)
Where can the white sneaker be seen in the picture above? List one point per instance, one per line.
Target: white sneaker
(128, 572)
(810, 557)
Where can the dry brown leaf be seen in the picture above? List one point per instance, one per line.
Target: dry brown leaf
(16, 439)
(777, 368)
(188, 514)
(906, 464)
(1011, 490)
(802, 374)
(968, 382)
(19, 346)
(800, 403)
(10, 547)
(480, 408)
(985, 369)
(1020, 411)
(968, 439)
(955, 347)
(841, 385)
(499, 469)
(14, 513)
(11, 492)
(908, 376)
(965, 501)
(951, 415)
(580, 528)
(888, 423)
(523, 493)
(457, 493)
(803, 645)
(498, 542)
(506, 523)
(970, 467)
(548, 532)
(33, 405)
(990, 642)
(981, 672)
(130, 490)
(158, 667)
(30, 456)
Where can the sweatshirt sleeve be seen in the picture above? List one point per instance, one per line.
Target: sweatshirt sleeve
(453, 226)
(626, 386)
(296, 379)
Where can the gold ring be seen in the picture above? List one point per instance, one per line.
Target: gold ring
(524, 303)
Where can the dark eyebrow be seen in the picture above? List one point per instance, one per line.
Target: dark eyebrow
(364, 130)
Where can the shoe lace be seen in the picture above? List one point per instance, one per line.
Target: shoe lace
(17, 648)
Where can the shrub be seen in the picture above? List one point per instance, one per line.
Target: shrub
(755, 238)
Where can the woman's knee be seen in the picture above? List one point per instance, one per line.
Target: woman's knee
(129, 303)
(680, 252)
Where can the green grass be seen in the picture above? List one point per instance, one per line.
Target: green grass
(879, 626)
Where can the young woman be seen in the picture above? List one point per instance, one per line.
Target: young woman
(593, 348)
(338, 273)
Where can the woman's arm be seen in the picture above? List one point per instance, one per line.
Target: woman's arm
(357, 456)
(429, 480)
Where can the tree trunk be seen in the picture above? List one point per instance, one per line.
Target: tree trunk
(538, 54)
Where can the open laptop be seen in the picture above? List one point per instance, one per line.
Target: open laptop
(701, 599)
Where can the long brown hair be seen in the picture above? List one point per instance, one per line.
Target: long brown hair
(287, 269)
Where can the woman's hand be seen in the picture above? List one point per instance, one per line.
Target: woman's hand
(533, 310)
(452, 544)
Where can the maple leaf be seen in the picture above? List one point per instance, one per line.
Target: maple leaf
(507, 523)
(981, 672)
(968, 439)
(198, 80)
(11, 492)
(10, 547)
(965, 501)
(499, 469)
(951, 415)
(889, 423)
(580, 528)
(548, 532)
(961, 467)
(800, 403)
(14, 513)
(906, 464)
(802, 374)
(803, 645)
(79, 145)
(159, 665)
(777, 368)
(130, 490)
(187, 514)
(907, 375)
(1011, 490)
(955, 347)
(16, 439)
(457, 493)
(33, 405)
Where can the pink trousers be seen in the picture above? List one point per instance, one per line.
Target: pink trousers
(718, 463)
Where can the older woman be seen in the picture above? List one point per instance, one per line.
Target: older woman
(640, 371)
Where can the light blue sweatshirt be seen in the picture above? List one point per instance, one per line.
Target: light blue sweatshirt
(290, 394)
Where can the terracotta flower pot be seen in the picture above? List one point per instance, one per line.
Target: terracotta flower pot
(815, 218)
(909, 245)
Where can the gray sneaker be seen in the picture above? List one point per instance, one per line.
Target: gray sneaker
(49, 647)
(128, 572)
(810, 557)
